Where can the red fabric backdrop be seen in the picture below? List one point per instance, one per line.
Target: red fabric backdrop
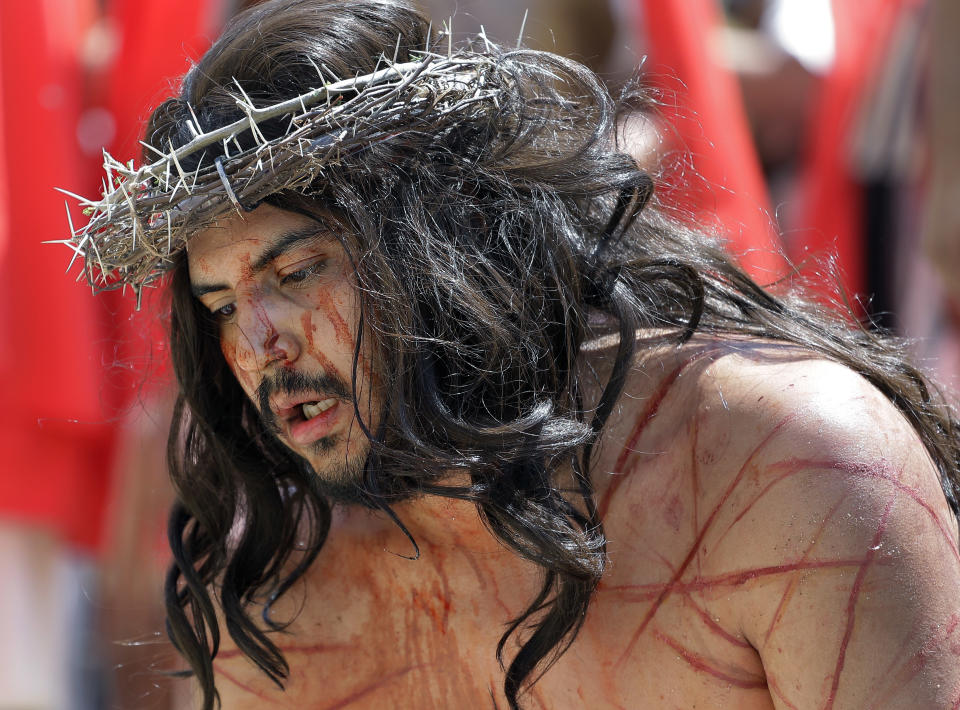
(70, 363)
(721, 176)
(830, 220)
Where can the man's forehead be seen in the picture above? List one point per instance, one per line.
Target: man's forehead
(250, 242)
(255, 233)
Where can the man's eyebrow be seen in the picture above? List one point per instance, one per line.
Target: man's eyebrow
(287, 241)
(200, 290)
(284, 243)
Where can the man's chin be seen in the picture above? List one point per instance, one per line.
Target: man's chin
(337, 477)
(343, 482)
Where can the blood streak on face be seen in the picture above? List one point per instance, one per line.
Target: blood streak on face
(280, 286)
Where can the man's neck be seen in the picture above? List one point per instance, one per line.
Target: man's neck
(431, 520)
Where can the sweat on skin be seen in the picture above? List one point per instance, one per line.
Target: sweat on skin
(503, 433)
(772, 526)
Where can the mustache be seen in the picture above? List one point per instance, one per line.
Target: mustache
(293, 382)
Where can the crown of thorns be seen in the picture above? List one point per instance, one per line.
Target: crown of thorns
(146, 214)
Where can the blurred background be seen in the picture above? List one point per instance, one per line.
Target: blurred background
(823, 131)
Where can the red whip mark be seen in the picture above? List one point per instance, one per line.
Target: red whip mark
(852, 601)
(702, 664)
(675, 579)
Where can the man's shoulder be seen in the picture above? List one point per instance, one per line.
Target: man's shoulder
(788, 499)
(779, 403)
(759, 433)
(751, 391)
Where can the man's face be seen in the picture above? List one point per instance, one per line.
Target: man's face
(281, 288)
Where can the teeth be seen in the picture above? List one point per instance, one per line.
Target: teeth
(312, 409)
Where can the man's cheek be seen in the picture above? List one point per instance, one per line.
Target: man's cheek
(312, 339)
(229, 350)
(333, 308)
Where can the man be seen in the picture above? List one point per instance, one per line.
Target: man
(463, 423)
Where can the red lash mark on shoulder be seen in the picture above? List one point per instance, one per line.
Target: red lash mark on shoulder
(792, 584)
(653, 406)
(854, 597)
(700, 663)
(908, 669)
(338, 704)
(244, 687)
(694, 548)
(913, 494)
(715, 627)
(776, 690)
(308, 649)
(646, 592)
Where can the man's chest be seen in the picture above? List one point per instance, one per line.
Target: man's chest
(383, 631)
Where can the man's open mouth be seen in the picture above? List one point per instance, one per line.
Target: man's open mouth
(301, 408)
(303, 422)
(312, 409)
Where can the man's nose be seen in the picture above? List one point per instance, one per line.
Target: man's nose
(266, 336)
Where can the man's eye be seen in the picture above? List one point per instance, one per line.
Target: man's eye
(225, 312)
(301, 275)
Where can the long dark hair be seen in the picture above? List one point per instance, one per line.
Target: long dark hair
(482, 252)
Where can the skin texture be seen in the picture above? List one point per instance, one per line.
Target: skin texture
(295, 312)
(777, 537)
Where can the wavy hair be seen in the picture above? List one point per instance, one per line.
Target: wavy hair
(483, 252)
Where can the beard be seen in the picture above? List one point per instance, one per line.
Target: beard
(340, 480)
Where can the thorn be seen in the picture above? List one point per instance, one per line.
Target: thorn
(226, 185)
(195, 119)
(173, 156)
(319, 73)
(254, 129)
(96, 253)
(396, 50)
(176, 187)
(523, 26)
(244, 94)
(108, 169)
(69, 218)
(483, 36)
(426, 48)
(75, 196)
(150, 147)
(77, 252)
(332, 75)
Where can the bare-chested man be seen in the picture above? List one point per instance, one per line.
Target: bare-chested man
(465, 421)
